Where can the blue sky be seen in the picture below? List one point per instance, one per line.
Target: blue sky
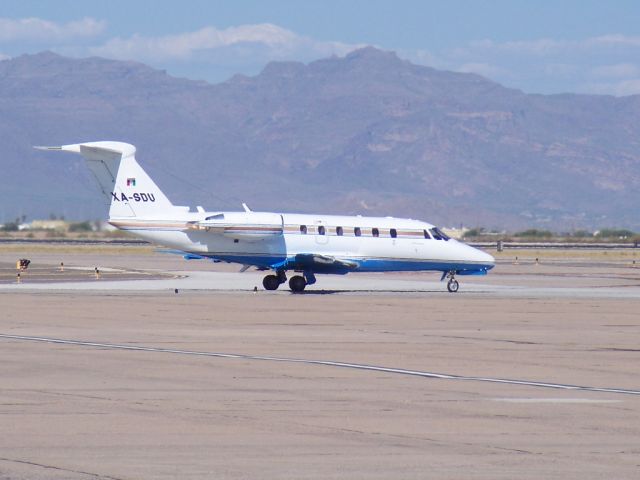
(537, 46)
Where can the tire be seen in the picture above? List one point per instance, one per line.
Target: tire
(297, 284)
(270, 282)
(453, 285)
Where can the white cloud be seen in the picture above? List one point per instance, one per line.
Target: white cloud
(421, 57)
(620, 88)
(627, 87)
(37, 29)
(614, 40)
(551, 46)
(598, 64)
(278, 42)
(619, 70)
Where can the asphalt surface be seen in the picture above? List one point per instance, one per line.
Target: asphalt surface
(530, 372)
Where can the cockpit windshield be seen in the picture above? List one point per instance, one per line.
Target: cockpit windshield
(438, 234)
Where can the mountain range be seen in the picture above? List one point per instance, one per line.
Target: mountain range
(368, 133)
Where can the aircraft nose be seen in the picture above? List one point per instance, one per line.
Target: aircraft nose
(486, 259)
(480, 257)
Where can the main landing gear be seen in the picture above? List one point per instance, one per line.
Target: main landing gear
(272, 282)
(452, 284)
(297, 283)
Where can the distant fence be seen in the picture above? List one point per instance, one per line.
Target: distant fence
(70, 241)
(499, 246)
(485, 245)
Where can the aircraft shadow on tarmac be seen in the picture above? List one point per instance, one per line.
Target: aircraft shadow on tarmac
(332, 292)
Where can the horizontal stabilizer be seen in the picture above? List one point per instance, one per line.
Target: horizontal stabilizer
(95, 149)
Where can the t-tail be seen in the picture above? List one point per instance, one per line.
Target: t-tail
(126, 188)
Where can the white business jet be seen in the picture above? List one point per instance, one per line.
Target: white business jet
(279, 242)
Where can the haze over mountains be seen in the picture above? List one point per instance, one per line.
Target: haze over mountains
(368, 133)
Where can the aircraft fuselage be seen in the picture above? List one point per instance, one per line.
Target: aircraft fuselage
(374, 244)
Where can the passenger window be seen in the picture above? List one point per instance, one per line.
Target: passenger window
(426, 235)
(303, 229)
(357, 232)
(393, 232)
(321, 230)
(339, 231)
(375, 232)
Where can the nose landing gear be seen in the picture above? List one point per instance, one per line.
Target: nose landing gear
(452, 284)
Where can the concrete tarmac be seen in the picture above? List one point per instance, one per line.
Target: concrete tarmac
(377, 376)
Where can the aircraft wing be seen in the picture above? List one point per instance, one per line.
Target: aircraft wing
(317, 263)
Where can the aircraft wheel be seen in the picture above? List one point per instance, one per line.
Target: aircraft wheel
(297, 284)
(453, 285)
(271, 282)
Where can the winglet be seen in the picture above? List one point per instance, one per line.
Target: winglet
(246, 209)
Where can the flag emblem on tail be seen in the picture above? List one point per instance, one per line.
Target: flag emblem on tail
(131, 182)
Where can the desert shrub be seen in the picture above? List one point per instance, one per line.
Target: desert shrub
(615, 233)
(534, 233)
(81, 227)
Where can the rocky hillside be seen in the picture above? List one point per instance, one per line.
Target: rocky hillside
(369, 133)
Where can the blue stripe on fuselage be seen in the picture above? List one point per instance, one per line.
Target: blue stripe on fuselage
(384, 265)
(364, 265)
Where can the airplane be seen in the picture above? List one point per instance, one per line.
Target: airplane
(306, 244)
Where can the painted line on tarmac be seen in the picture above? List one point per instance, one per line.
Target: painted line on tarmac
(328, 363)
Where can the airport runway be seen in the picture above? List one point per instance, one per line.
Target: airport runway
(528, 373)
(533, 281)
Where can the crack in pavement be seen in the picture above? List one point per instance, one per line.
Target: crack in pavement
(61, 469)
(326, 363)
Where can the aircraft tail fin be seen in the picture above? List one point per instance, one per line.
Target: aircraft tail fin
(126, 187)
